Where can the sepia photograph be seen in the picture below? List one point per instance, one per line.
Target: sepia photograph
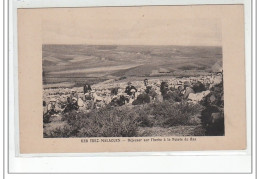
(131, 79)
(132, 90)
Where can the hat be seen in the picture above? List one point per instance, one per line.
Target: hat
(73, 90)
(74, 98)
(53, 100)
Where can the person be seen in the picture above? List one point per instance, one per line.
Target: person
(72, 95)
(86, 88)
(149, 90)
(130, 89)
(148, 87)
(89, 100)
(145, 82)
(180, 90)
(198, 87)
(88, 96)
(52, 109)
(44, 105)
(164, 88)
(141, 99)
(73, 105)
(187, 90)
(118, 100)
(114, 91)
(98, 100)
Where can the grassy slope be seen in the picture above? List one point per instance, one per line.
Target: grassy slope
(60, 58)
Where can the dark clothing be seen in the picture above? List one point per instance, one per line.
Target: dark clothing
(119, 101)
(87, 89)
(148, 89)
(198, 87)
(51, 110)
(71, 107)
(142, 99)
(212, 119)
(152, 93)
(69, 99)
(128, 90)
(172, 95)
(164, 88)
(114, 91)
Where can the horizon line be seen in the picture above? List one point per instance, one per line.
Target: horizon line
(136, 45)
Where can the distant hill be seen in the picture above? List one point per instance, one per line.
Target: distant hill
(93, 60)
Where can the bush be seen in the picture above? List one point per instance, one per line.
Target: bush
(106, 122)
(64, 132)
(168, 113)
(212, 116)
(125, 121)
(144, 119)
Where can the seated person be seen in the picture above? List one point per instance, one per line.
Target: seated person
(73, 94)
(164, 88)
(130, 89)
(142, 99)
(187, 90)
(73, 105)
(52, 109)
(198, 87)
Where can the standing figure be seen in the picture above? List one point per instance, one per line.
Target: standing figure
(86, 90)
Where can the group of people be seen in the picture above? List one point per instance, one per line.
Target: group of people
(131, 95)
(53, 108)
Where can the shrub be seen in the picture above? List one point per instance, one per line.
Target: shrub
(125, 121)
(61, 132)
(168, 113)
(105, 122)
(144, 119)
(212, 116)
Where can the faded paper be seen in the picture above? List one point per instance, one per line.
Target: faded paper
(151, 25)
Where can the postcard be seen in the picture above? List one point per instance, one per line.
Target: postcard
(131, 79)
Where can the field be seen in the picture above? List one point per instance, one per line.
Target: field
(79, 64)
(67, 67)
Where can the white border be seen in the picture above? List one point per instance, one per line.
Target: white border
(224, 161)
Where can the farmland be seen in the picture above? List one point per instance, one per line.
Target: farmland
(79, 64)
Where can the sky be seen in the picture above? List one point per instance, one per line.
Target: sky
(139, 26)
